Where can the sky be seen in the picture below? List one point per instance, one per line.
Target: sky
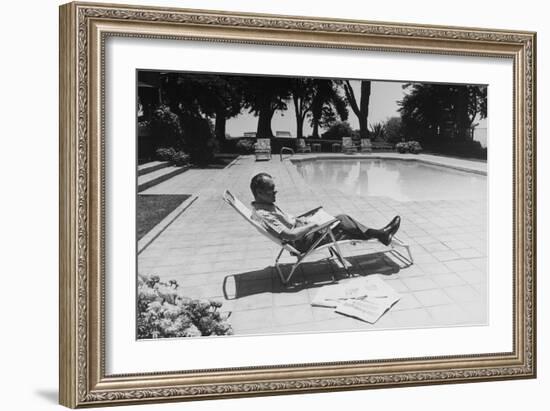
(383, 105)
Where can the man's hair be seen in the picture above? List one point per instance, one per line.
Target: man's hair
(258, 182)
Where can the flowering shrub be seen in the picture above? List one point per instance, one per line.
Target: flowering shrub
(166, 127)
(164, 312)
(143, 127)
(165, 154)
(245, 146)
(200, 141)
(178, 158)
(412, 146)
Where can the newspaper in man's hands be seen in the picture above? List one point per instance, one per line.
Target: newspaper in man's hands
(320, 217)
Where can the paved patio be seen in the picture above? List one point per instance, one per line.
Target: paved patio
(213, 253)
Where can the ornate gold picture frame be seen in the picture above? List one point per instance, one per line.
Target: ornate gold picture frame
(85, 28)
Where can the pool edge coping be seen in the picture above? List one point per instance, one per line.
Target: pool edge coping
(388, 157)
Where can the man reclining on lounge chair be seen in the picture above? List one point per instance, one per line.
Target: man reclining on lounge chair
(295, 230)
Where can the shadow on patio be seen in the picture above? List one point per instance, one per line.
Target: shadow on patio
(310, 275)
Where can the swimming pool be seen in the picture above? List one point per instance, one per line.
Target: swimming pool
(401, 180)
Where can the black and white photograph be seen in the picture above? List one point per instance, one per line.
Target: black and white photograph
(277, 204)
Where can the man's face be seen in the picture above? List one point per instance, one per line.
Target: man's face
(267, 192)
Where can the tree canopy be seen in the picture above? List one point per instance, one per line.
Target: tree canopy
(205, 96)
(433, 113)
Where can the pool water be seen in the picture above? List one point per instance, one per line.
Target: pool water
(398, 179)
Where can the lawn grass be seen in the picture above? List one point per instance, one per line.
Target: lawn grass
(152, 208)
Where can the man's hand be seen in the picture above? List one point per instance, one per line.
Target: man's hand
(297, 232)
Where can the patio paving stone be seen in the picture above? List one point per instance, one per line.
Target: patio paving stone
(407, 302)
(477, 311)
(481, 288)
(397, 284)
(425, 258)
(415, 317)
(434, 268)
(446, 255)
(445, 280)
(293, 314)
(291, 298)
(250, 320)
(474, 276)
(459, 265)
(435, 247)
(430, 298)
(420, 283)
(462, 293)
(254, 301)
(448, 314)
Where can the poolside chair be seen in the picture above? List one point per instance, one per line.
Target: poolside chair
(302, 147)
(326, 230)
(382, 146)
(366, 145)
(348, 146)
(262, 149)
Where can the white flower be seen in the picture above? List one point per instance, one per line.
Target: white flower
(155, 307)
(147, 293)
(171, 311)
(192, 331)
(168, 293)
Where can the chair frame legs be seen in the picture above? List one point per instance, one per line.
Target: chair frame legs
(334, 248)
(303, 256)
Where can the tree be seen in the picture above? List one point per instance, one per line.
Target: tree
(361, 110)
(263, 96)
(229, 104)
(378, 132)
(318, 99)
(440, 113)
(393, 128)
(166, 128)
(303, 91)
(338, 130)
(205, 96)
(326, 104)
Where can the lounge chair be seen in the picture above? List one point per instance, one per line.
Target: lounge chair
(326, 230)
(302, 147)
(382, 146)
(262, 149)
(348, 146)
(366, 145)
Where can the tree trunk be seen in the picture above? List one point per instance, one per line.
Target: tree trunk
(299, 117)
(316, 111)
(299, 126)
(463, 119)
(315, 132)
(364, 109)
(363, 127)
(219, 127)
(264, 121)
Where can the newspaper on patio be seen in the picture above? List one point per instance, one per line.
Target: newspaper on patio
(366, 298)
